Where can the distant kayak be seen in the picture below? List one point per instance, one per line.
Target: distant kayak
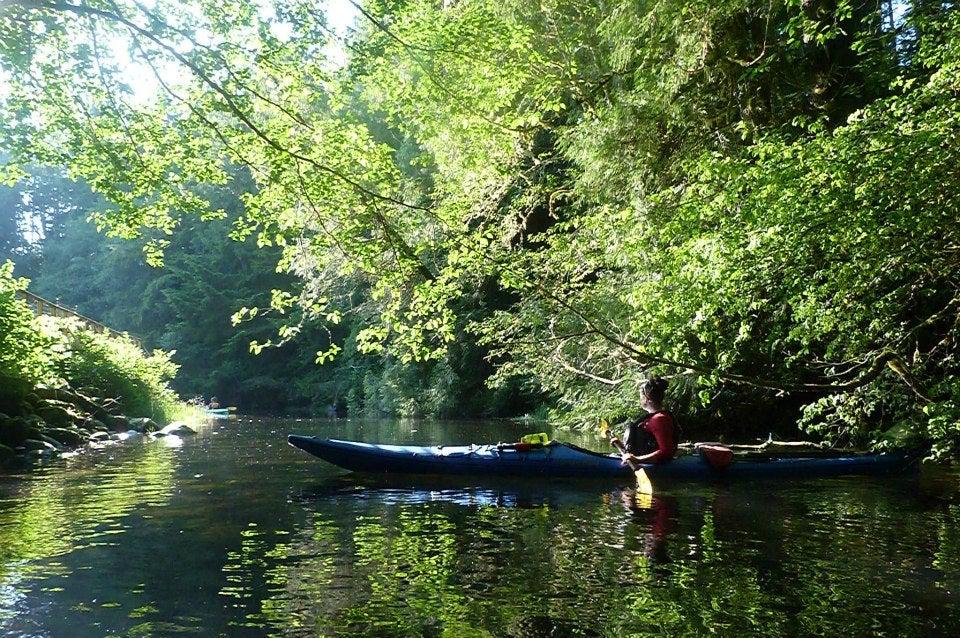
(563, 460)
(220, 413)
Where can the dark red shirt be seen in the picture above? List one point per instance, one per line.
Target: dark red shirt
(660, 425)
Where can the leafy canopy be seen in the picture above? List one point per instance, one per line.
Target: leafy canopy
(755, 197)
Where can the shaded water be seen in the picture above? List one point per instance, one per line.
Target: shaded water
(234, 533)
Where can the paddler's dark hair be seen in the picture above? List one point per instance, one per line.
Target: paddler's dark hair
(654, 389)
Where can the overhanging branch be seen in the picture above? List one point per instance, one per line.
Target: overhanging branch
(205, 78)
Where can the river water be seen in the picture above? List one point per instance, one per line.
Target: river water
(234, 533)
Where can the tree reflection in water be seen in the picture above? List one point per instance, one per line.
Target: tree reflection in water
(429, 558)
(237, 534)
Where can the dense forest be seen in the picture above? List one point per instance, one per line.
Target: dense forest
(185, 308)
(756, 200)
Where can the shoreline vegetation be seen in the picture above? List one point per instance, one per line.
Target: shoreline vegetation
(63, 385)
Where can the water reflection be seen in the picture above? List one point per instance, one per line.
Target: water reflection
(529, 558)
(45, 518)
(467, 491)
(237, 534)
(656, 517)
(48, 518)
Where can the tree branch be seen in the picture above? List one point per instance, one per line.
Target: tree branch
(207, 80)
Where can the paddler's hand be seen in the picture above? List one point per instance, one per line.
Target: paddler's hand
(628, 458)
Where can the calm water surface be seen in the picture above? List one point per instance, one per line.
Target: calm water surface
(234, 533)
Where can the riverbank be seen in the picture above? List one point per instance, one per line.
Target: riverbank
(64, 384)
(50, 421)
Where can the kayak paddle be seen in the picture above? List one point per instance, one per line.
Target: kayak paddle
(644, 486)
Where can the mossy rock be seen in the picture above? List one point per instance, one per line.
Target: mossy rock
(95, 425)
(8, 407)
(144, 424)
(58, 445)
(56, 415)
(117, 423)
(66, 437)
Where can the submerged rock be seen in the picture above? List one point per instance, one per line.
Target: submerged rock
(171, 441)
(144, 424)
(101, 435)
(177, 427)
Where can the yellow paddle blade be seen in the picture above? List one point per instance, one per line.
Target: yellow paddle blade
(644, 486)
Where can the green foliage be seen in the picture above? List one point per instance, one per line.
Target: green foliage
(24, 351)
(943, 425)
(184, 308)
(114, 367)
(57, 350)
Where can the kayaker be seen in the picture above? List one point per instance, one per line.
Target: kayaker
(214, 404)
(653, 438)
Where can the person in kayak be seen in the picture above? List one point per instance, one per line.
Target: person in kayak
(652, 438)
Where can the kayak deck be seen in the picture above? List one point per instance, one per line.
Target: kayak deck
(563, 460)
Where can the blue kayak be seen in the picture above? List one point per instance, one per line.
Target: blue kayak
(563, 460)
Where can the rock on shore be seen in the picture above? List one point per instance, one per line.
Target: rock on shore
(50, 420)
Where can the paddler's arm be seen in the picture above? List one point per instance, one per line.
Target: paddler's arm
(617, 443)
(646, 458)
(627, 457)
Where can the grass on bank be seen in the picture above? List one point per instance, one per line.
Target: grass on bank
(40, 354)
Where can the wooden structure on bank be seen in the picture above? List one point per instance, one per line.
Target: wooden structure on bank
(41, 306)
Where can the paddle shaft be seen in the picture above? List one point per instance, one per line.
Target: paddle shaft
(643, 481)
(617, 443)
